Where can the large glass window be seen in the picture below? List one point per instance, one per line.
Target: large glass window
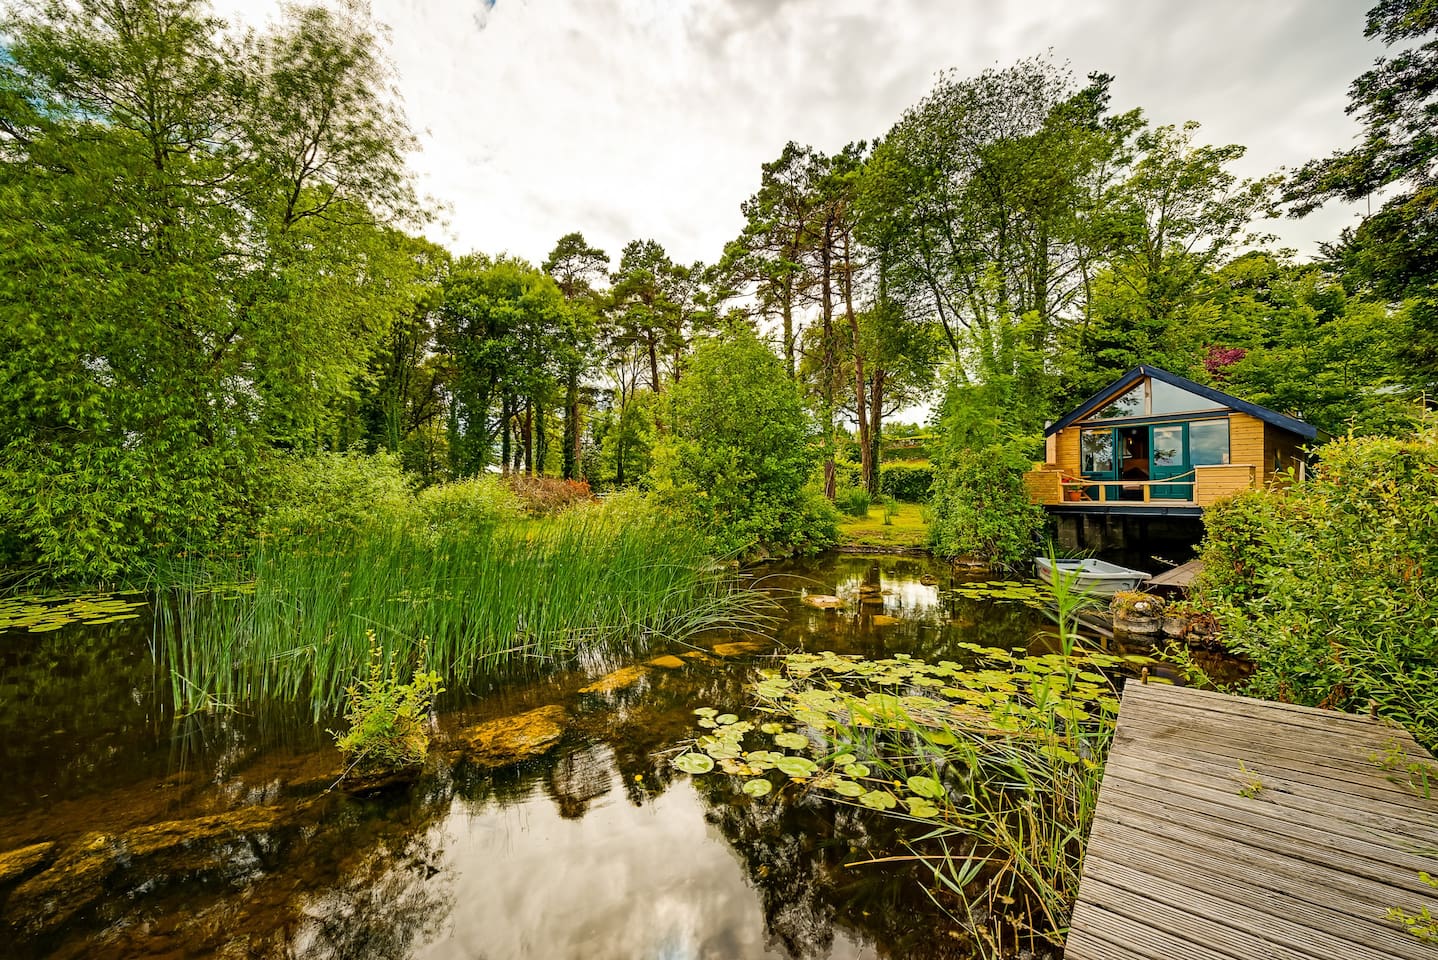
(1168, 446)
(1130, 404)
(1096, 451)
(1208, 442)
(1170, 399)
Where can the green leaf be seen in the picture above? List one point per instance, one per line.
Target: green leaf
(926, 787)
(758, 787)
(694, 763)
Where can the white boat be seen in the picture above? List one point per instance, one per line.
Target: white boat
(1094, 577)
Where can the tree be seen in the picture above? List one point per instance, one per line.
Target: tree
(577, 267)
(1391, 253)
(768, 256)
(739, 449)
(508, 336)
(197, 260)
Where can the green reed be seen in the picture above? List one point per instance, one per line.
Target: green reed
(289, 620)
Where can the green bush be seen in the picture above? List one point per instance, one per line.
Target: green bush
(909, 482)
(981, 508)
(854, 502)
(473, 505)
(328, 491)
(1328, 585)
(738, 452)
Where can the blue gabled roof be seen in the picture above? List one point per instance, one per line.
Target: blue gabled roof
(1292, 425)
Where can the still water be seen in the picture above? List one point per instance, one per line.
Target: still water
(128, 832)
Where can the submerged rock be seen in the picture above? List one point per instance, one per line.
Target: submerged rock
(668, 662)
(175, 848)
(823, 601)
(510, 740)
(738, 648)
(16, 863)
(618, 680)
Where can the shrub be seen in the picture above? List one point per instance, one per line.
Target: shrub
(739, 450)
(472, 505)
(909, 482)
(1328, 586)
(854, 502)
(546, 496)
(981, 507)
(388, 720)
(327, 491)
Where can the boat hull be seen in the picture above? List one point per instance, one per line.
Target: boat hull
(1092, 577)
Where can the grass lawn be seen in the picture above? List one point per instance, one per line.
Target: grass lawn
(907, 529)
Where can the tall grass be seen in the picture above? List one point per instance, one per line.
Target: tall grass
(289, 620)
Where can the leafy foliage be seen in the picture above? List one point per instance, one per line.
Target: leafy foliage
(739, 451)
(388, 720)
(909, 482)
(981, 508)
(326, 492)
(1327, 585)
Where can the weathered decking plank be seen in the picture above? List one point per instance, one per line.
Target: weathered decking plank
(1181, 865)
(1180, 577)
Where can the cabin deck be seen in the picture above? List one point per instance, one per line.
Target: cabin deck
(1231, 829)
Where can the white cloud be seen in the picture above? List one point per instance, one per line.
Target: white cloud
(650, 118)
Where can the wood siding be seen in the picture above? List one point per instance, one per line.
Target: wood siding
(1245, 439)
(1068, 450)
(1215, 482)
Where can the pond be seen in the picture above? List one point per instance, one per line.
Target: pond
(128, 832)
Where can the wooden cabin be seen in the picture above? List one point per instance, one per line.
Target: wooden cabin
(1155, 444)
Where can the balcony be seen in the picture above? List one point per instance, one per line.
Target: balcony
(1051, 487)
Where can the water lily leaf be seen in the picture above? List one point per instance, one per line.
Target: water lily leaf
(694, 763)
(926, 787)
(758, 787)
(797, 766)
(772, 727)
(707, 723)
(706, 712)
(879, 800)
(726, 718)
(856, 769)
(848, 788)
(843, 759)
(919, 807)
(791, 741)
(722, 751)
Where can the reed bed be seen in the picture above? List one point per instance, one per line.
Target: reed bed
(289, 621)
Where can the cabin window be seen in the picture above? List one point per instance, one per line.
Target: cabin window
(1096, 451)
(1208, 442)
(1166, 398)
(1130, 404)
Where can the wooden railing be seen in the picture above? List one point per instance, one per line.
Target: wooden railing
(1188, 480)
(1203, 485)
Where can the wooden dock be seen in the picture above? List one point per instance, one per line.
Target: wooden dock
(1179, 578)
(1236, 829)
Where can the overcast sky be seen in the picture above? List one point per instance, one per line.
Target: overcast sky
(633, 119)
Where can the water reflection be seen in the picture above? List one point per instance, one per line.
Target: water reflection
(599, 849)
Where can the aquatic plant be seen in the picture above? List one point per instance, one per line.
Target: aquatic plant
(388, 720)
(287, 621)
(996, 760)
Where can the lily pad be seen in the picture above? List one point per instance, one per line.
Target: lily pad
(758, 787)
(926, 787)
(791, 741)
(797, 766)
(694, 763)
(879, 800)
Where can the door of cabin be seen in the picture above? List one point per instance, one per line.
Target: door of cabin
(1168, 446)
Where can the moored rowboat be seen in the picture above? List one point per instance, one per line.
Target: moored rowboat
(1095, 577)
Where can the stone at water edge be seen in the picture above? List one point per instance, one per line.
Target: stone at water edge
(16, 863)
(174, 848)
(510, 740)
(823, 601)
(618, 680)
(738, 648)
(668, 662)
